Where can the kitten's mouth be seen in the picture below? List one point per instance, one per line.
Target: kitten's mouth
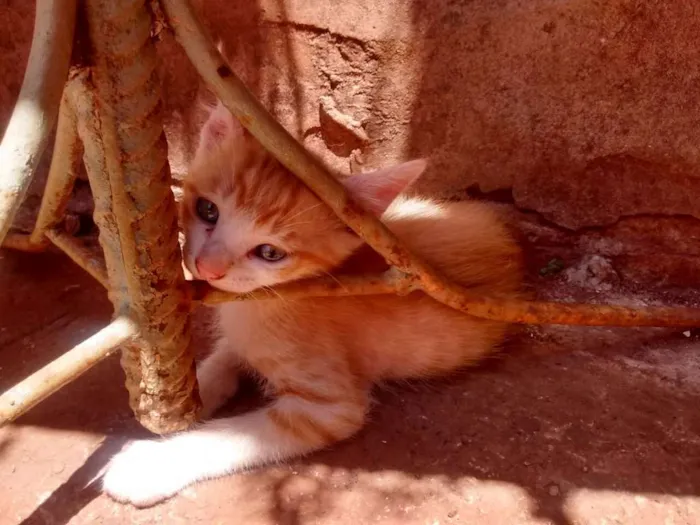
(239, 287)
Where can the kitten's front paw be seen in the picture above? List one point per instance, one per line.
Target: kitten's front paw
(144, 474)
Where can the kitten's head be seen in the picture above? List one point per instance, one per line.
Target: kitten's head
(250, 223)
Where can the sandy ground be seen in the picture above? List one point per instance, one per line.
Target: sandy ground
(569, 426)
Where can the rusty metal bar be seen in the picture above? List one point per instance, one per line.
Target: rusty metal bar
(80, 254)
(41, 384)
(120, 124)
(67, 153)
(236, 97)
(65, 162)
(35, 113)
(391, 281)
(400, 283)
(21, 242)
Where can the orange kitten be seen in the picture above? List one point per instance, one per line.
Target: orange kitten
(249, 223)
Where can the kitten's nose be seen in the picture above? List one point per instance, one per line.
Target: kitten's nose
(210, 270)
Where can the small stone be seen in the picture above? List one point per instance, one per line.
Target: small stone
(452, 514)
(553, 490)
(593, 272)
(686, 333)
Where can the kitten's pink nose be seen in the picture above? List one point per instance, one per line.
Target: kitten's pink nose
(209, 269)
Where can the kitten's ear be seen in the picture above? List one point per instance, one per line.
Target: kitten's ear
(221, 125)
(376, 190)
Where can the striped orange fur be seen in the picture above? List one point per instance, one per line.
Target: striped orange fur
(249, 224)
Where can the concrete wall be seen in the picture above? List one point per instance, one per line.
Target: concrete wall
(580, 114)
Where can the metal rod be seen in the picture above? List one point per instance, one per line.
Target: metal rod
(21, 242)
(119, 110)
(41, 384)
(35, 113)
(540, 312)
(399, 283)
(252, 115)
(390, 282)
(67, 154)
(80, 254)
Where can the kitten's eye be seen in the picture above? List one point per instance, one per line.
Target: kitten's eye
(207, 210)
(269, 253)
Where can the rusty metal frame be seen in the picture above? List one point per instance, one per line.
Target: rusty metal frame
(33, 118)
(110, 113)
(63, 370)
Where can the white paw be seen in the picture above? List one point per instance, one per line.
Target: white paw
(146, 473)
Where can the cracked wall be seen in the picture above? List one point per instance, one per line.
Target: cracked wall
(581, 115)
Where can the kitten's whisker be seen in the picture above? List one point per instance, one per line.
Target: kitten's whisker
(297, 223)
(336, 280)
(303, 211)
(280, 296)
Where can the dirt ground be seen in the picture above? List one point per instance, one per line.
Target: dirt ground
(570, 426)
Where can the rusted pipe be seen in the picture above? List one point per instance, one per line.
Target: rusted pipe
(252, 115)
(398, 283)
(80, 254)
(21, 242)
(538, 312)
(41, 384)
(65, 162)
(35, 113)
(391, 281)
(120, 124)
